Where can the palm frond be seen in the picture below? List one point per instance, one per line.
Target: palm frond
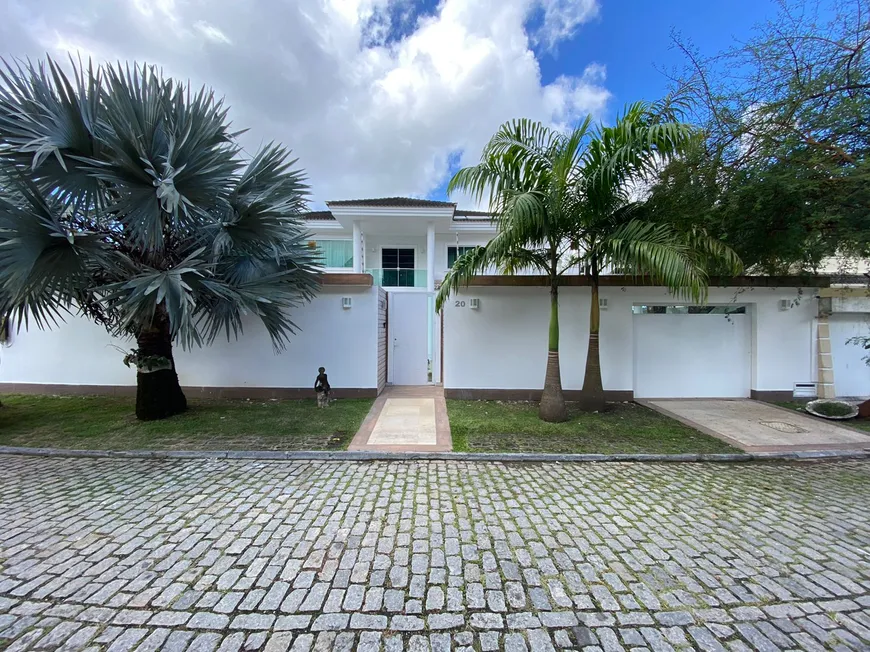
(639, 142)
(45, 266)
(168, 154)
(136, 299)
(522, 260)
(659, 252)
(123, 193)
(49, 123)
(714, 254)
(267, 289)
(466, 267)
(264, 209)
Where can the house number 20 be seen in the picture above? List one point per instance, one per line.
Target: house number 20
(459, 304)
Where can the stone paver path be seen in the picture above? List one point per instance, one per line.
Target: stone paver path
(406, 419)
(228, 555)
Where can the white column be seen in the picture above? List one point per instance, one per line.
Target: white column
(430, 257)
(357, 248)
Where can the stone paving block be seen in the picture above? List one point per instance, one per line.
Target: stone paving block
(445, 621)
(241, 554)
(368, 621)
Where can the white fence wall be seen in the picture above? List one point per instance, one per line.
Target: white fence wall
(344, 341)
(503, 344)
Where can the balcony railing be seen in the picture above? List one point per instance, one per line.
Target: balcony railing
(399, 278)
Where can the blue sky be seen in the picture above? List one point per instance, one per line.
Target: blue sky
(632, 39)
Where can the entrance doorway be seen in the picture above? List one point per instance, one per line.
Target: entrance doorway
(409, 334)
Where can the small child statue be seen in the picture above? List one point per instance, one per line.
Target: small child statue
(321, 386)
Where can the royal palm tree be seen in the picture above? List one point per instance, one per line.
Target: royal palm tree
(565, 201)
(527, 173)
(125, 197)
(612, 230)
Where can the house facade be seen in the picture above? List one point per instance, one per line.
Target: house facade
(374, 323)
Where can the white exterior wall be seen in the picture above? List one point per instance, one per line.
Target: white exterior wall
(707, 356)
(851, 372)
(503, 345)
(784, 341)
(344, 341)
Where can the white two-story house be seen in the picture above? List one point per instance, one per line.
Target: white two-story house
(406, 245)
(373, 323)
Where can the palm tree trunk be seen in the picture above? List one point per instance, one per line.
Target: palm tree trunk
(158, 394)
(592, 394)
(552, 406)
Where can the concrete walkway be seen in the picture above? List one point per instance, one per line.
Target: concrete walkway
(758, 427)
(406, 419)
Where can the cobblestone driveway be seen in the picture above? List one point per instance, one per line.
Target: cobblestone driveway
(205, 555)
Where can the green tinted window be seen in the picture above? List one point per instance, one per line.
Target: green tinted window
(335, 253)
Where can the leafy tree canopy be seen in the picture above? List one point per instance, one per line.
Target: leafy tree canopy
(782, 174)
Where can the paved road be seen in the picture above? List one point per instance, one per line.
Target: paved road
(205, 555)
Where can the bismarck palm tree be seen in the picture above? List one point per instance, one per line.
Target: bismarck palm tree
(563, 201)
(124, 197)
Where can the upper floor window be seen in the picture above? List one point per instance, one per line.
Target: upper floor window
(398, 267)
(455, 252)
(334, 253)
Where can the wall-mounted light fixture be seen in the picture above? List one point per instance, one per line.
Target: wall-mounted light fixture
(602, 304)
(346, 303)
(474, 304)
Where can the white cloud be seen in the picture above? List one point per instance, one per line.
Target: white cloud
(561, 18)
(373, 98)
(211, 32)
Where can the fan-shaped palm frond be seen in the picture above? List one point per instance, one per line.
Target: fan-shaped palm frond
(263, 210)
(168, 154)
(44, 264)
(123, 194)
(49, 123)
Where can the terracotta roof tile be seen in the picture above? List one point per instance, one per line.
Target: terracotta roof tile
(318, 215)
(472, 216)
(393, 202)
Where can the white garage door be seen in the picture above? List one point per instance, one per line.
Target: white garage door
(851, 373)
(697, 355)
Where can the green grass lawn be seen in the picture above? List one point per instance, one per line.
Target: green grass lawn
(860, 424)
(514, 427)
(100, 422)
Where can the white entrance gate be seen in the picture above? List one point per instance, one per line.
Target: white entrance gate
(409, 332)
(692, 356)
